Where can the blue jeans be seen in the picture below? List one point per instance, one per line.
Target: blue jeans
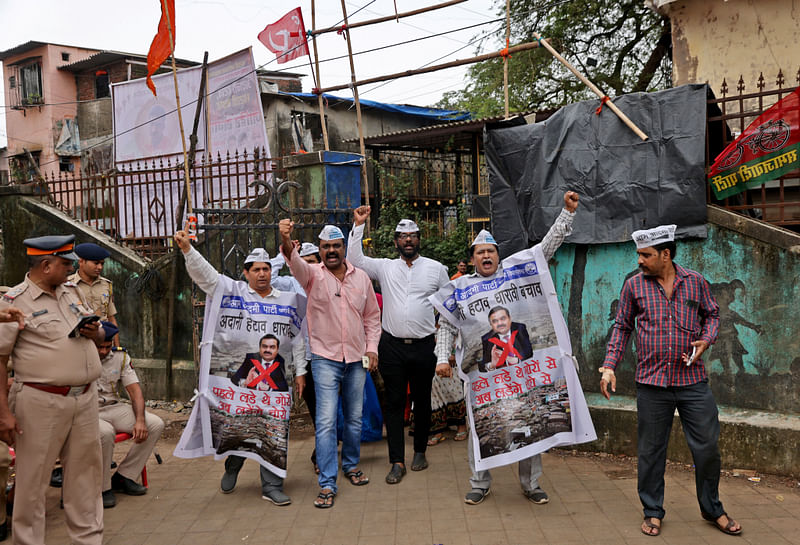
(329, 377)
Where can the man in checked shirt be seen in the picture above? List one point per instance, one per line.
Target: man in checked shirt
(676, 319)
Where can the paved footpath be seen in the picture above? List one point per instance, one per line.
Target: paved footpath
(592, 501)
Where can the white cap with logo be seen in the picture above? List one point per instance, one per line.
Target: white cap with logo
(406, 226)
(484, 237)
(331, 232)
(645, 238)
(308, 249)
(259, 255)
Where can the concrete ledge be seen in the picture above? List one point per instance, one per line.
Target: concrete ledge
(765, 442)
(759, 230)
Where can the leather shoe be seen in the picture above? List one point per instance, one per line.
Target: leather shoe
(109, 499)
(57, 477)
(127, 486)
(419, 462)
(396, 474)
(228, 482)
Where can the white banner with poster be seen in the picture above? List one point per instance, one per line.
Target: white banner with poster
(514, 355)
(244, 397)
(146, 126)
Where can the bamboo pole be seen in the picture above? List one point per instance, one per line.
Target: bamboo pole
(505, 57)
(434, 68)
(354, 87)
(320, 100)
(396, 17)
(187, 180)
(593, 87)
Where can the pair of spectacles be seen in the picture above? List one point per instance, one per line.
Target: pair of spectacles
(404, 236)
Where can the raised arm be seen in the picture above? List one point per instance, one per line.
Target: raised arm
(200, 271)
(562, 227)
(300, 269)
(355, 252)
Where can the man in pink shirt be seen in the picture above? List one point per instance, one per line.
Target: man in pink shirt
(344, 326)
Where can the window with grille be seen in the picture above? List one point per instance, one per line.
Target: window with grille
(30, 77)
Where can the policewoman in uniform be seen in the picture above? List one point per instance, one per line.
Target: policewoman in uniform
(51, 410)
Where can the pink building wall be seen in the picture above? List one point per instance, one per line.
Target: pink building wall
(34, 126)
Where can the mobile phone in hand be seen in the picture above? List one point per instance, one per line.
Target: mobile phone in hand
(365, 361)
(85, 320)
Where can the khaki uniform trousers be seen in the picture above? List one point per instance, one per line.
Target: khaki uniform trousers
(5, 462)
(56, 426)
(118, 418)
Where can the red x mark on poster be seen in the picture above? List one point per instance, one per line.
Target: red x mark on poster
(507, 347)
(264, 373)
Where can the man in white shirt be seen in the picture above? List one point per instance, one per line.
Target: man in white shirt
(258, 273)
(407, 341)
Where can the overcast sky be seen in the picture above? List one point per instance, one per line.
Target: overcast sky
(222, 27)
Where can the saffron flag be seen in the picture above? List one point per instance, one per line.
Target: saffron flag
(768, 148)
(160, 48)
(286, 37)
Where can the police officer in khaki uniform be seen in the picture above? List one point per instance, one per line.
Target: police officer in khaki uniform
(97, 290)
(51, 409)
(117, 417)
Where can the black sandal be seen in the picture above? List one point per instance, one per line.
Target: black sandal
(323, 499)
(356, 477)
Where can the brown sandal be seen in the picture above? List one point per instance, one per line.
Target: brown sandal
(648, 523)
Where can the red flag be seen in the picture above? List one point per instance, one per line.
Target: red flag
(286, 37)
(768, 148)
(160, 49)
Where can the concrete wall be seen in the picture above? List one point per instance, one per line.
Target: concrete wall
(754, 366)
(714, 39)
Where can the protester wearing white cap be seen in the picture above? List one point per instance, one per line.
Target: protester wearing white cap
(676, 318)
(343, 329)
(257, 271)
(485, 255)
(407, 341)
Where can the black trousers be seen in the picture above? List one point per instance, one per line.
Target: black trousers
(402, 365)
(700, 420)
(309, 396)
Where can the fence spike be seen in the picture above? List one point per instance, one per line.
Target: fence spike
(740, 86)
(781, 79)
(761, 82)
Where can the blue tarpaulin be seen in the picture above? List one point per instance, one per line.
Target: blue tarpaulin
(420, 111)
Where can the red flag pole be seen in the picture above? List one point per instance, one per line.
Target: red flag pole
(187, 180)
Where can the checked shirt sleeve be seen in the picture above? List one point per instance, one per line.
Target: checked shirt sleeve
(709, 314)
(445, 337)
(555, 236)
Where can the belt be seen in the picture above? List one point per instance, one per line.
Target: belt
(409, 341)
(73, 391)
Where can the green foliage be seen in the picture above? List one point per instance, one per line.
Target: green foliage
(448, 248)
(630, 43)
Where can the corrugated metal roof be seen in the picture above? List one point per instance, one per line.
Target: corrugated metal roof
(103, 58)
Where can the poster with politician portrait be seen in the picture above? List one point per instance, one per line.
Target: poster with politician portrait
(514, 354)
(244, 394)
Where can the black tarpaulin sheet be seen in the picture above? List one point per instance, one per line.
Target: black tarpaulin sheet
(624, 183)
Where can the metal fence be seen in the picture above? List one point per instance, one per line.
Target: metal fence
(777, 201)
(138, 203)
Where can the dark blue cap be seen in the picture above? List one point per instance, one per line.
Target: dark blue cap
(58, 245)
(110, 330)
(91, 251)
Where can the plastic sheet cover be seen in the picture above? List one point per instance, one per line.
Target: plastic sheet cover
(624, 183)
